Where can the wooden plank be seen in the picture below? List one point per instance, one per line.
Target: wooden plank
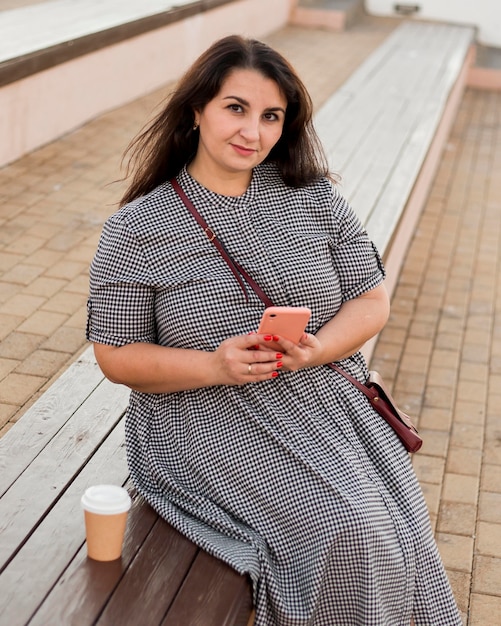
(154, 562)
(213, 594)
(42, 421)
(154, 576)
(33, 494)
(85, 585)
(57, 537)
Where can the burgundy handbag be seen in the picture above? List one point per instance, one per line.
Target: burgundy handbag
(374, 388)
(381, 399)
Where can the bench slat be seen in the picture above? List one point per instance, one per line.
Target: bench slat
(213, 594)
(42, 421)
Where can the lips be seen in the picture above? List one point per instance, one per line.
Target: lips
(242, 150)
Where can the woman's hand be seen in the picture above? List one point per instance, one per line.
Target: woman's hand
(247, 359)
(294, 356)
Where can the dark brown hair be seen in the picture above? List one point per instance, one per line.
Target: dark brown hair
(169, 142)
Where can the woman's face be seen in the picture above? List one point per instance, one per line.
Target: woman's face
(240, 125)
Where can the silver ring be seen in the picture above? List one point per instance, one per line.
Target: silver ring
(249, 369)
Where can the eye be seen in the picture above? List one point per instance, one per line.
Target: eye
(271, 116)
(237, 108)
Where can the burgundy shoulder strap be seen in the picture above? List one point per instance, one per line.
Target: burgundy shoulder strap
(238, 270)
(351, 378)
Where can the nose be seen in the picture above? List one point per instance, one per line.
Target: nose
(250, 129)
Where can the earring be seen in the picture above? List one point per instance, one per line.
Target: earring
(195, 126)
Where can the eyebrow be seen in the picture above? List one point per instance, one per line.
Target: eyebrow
(245, 103)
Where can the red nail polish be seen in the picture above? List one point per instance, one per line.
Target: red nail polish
(278, 356)
(276, 338)
(268, 337)
(274, 374)
(279, 364)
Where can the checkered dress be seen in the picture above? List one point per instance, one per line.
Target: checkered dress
(295, 480)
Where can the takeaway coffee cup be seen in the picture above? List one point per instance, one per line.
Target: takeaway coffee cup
(105, 509)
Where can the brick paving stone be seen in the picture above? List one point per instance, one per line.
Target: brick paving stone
(429, 469)
(457, 518)
(461, 584)
(7, 366)
(8, 323)
(22, 274)
(62, 303)
(432, 495)
(25, 244)
(17, 389)
(45, 286)
(456, 551)
(485, 610)
(43, 363)
(19, 345)
(464, 461)
(43, 257)
(436, 442)
(7, 412)
(449, 341)
(442, 376)
(438, 397)
(492, 446)
(80, 285)
(434, 418)
(487, 575)
(489, 539)
(7, 290)
(460, 488)
(66, 269)
(489, 507)
(467, 435)
(65, 339)
(43, 323)
(491, 478)
(22, 305)
(469, 412)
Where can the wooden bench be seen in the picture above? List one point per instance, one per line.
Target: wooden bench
(385, 128)
(381, 130)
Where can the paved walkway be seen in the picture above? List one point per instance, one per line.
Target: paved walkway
(441, 347)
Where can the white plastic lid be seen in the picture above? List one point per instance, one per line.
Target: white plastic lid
(106, 500)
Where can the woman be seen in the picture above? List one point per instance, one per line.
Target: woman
(267, 459)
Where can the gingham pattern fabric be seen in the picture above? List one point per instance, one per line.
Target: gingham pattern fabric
(295, 481)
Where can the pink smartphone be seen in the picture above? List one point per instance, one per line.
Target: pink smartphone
(288, 322)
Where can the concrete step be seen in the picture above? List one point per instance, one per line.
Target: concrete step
(336, 15)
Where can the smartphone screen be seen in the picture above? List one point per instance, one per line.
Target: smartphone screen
(288, 322)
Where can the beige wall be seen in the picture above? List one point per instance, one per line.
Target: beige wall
(42, 107)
